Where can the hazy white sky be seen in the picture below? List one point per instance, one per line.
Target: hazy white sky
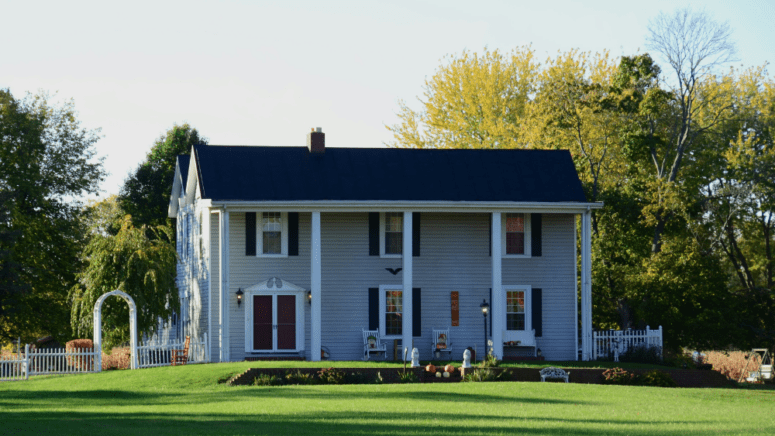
(263, 73)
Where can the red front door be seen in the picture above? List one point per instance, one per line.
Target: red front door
(286, 322)
(262, 322)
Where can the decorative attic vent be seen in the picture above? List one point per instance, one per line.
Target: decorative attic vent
(316, 141)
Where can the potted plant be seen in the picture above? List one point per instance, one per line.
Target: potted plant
(372, 341)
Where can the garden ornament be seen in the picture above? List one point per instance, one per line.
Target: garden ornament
(415, 358)
(466, 359)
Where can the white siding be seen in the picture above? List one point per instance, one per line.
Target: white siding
(454, 257)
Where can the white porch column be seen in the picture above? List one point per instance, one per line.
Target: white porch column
(224, 288)
(315, 279)
(407, 293)
(586, 285)
(498, 303)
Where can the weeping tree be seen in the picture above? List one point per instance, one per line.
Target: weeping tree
(137, 260)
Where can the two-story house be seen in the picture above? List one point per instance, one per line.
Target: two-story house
(288, 251)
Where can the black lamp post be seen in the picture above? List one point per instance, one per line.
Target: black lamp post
(485, 308)
(239, 296)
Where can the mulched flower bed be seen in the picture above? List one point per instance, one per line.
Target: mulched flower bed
(683, 378)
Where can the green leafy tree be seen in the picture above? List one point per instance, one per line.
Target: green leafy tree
(472, 101)
(130, 260)
(146, 192)
(47, 160)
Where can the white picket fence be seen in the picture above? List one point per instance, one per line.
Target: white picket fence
(156, 353)
(615, 342)
(47, 361)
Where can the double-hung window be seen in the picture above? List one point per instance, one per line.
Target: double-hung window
(272, 231)
(392, 310)
(516, 234)
(391, 234)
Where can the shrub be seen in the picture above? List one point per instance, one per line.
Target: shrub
(643, 354)
(117, 359)
(618, 376)
(331, 376)
(267, 380)
(81, 362)
(299, 378)
(490, 361)
(407, 377)
(731, 363)
(486, 375)
(657, 378)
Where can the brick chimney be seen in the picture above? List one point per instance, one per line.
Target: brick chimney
(316, 141)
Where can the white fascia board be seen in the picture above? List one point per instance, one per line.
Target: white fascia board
(172, 210)
(399, 206)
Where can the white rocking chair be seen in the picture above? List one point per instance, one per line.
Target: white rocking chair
(372, 344)
(441, 342)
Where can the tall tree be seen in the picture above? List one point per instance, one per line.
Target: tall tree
(146, 192)
(472, 101)
(693, 46)
(129, 260)
(47, 160)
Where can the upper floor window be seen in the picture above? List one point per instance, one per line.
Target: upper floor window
(392, 234)
(516, 228)
(272, 230)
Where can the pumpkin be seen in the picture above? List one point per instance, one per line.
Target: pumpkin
(438, 375)
(446, 374)
(430, 368)
(449, 368)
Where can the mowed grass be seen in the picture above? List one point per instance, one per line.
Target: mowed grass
(189, 400)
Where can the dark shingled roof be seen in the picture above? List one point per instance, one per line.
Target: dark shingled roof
(183, 162)
(388, 174)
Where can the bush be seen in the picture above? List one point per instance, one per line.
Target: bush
(657, 378)
(267, 380)
(730, 363)
(299, 378)
(643, 354)
(117, 359)
(81, 362)
(331, 376)
(407, 377)
(490, 361)
(618, 376)
(486, 375)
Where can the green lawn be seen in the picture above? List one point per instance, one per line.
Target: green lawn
(188, 400)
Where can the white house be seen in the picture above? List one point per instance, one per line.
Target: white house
(287, 251)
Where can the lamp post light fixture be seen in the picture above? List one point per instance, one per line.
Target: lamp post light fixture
(239, 296)
(485, 308)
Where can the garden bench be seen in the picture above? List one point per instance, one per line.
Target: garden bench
(553, 372)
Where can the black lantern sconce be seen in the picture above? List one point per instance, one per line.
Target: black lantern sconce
(239, 296)
(538, 352)
(485, 308)
(309, 297)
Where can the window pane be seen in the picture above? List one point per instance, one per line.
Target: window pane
(394, 222)
(272, 243)
(515, 243)
(394, 243)
(515, 222)
(272, 222)
(393, 311)
(515, 321)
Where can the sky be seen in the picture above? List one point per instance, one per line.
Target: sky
(264, 73)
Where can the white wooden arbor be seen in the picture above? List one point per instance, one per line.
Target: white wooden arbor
(98, 328)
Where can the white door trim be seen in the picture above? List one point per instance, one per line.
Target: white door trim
(274, 287)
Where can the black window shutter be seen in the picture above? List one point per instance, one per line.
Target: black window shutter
(293, 233)
(373, 233)
(374, 309)
(416, 234)
(537, 312)
(250, 234)
(535, 229)
(416, 313)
